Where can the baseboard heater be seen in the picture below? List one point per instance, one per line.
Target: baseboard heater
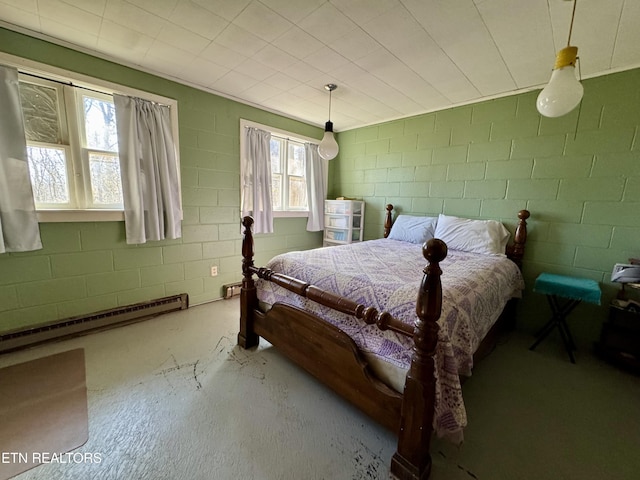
(83, 324)
(231, 289)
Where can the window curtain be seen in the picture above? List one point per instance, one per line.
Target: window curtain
(256, 179)
(19, 229)
(316, 187)
(150, 181)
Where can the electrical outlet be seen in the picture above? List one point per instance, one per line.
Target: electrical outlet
(214, 271)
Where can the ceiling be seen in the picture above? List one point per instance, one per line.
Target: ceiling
(389, 58)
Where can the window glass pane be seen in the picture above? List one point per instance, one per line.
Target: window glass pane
(276, 157)
(40, 110)
(297, 193)
(100, 124)
(48, 169)
(295, 165)
(276, 191)
(106, 186)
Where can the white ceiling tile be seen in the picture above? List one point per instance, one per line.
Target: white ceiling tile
(361, 11)
(222, 55)
(303, 72)
(262, 21)
(197, 19)
(69, 15)
(234, 83)
(254, 69)
(174, 56)
(223, 8)
(327, 23)
(115, 36)
(275, 58)
(355, 44)
(326, 59)
(25, 5)
(626, 48)
(203, 72)
(92, 6)
(293, 11)
(282, 81)
(135, 18)
(182, 38)
(240, 40)
(161, 8)
(260, 92)
(19, 17)
(297, 42)
(69, 34)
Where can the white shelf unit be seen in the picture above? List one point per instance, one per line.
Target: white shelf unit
(343, 222)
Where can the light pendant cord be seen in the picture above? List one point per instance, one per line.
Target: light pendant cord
(573, 14)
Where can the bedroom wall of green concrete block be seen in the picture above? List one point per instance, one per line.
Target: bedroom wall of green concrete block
(87, 267)
(579, 175)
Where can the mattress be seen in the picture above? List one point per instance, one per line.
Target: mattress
(386, 274)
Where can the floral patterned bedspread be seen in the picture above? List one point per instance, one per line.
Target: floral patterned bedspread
(386, 274)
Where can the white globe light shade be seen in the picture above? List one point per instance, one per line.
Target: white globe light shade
(562, 94)
(328, 147)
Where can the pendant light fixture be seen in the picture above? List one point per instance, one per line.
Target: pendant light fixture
(564, 91)
(328, 147)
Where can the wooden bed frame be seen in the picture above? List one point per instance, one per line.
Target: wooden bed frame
(332, 356)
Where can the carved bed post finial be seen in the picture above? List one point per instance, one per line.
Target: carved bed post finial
(388, 221)
(412, 459)
(248, 294)
(520, 238)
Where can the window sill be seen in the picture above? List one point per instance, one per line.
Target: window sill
(289, 214)
(55, 216)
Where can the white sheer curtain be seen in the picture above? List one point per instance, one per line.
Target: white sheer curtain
(256, 179)
(19, 229)
(316, 187)
(150, 181)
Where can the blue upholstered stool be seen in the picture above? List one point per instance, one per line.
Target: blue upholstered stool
(572, 291)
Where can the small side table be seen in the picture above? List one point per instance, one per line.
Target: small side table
(564, 294)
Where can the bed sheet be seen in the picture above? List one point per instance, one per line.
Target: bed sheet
(385, 274)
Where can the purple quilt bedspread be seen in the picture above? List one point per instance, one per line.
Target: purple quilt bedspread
(385, 274)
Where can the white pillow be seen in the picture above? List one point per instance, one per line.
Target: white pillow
(476, 236)
(408, 228)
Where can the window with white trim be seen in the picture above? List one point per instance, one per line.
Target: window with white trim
(72, 145)
(288, 174)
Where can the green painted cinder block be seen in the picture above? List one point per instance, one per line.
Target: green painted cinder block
(498, 110)
(51, 291)
(159, 274)
(421, 124)
(601, 141)
(104, 283)
(376, 175)
(217, 143)
(137, 257)
(561, 211)
(632, 190)
(386, 189)
(27, 317)
(415, 189)
(20, 269)
(389, 160)
(84, 263)
(465, 171)
(430, 206)
(453, 117)
(470, 134)
(431, 173)
(365, 162)
(600, 189)
(203, 197)
(551, 253)
(420, 157)
(140, 295)
(103, 236)
(229, 198)
(434, 139)
(199, 233)
(602, 259)
(462, 208)
(366, 134)
(623, 214)
(511, 169)
(59, 238)
(391, 129)
(182, 253)
(8, 298)
(625, 238)
(219, 249)
(218, 179)
(348, 149)
(506, 210)
(193, 157)
(403, 174)
(507, 130)
(228, 231)
(578, 166)
(197, 269)
(485, 189)
(576, 234)
(188, 176)
(448, 155)
(446, 189)
(617, 164)
(550, 145)
(218, 214)
(405, 143)
(483, 152)
(533, 189)
(194, 286)
(377, 147)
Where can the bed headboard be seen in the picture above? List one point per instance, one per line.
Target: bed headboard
(515, 251)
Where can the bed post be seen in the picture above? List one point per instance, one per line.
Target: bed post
(412, 460)
(516, 251)
(388, 221)
(248, 295)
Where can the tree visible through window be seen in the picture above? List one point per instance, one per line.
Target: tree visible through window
(72, 145)
(288, 174)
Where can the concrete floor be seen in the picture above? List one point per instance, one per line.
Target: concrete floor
(174, 398)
